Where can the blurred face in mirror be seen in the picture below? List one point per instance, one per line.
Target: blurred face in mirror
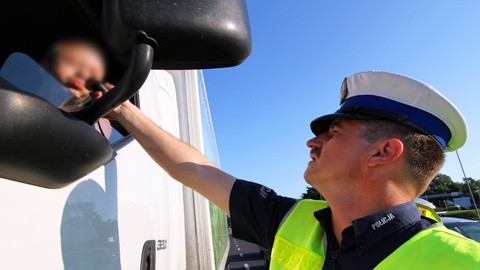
(75, 63)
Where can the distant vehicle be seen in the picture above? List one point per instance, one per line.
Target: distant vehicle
(447, 205)
(467, 227)
(425, 202)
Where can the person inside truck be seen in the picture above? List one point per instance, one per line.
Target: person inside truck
(78, 63)
(370, 160)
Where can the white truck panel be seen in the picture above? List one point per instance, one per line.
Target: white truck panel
(102, 220)
(152, 200)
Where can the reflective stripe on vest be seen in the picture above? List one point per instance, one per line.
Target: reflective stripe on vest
(299, 245)
(298, 242)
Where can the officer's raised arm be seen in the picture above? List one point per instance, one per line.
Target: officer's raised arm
(181, 161)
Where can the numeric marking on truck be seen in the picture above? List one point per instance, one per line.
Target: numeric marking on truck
(161, 244)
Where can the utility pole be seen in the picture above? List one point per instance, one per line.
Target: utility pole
(468, 184)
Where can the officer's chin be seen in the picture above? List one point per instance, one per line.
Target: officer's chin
(306, 176)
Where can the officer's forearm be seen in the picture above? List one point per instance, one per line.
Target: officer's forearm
(181, 161)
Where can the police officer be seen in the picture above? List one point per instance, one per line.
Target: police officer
(370, 160)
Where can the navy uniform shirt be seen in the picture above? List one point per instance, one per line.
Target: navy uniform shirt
(256, 213)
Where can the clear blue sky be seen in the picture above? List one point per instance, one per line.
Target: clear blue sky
(302, 50)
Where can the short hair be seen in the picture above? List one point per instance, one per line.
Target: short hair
(424, 154)
(51, 54)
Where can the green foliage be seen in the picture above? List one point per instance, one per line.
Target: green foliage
(474, 185)
(219, 234)
(312, 193)
(443, 184)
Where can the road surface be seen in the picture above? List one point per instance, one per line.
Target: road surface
(244, 255)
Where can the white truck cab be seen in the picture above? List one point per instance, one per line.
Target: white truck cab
(71, 198)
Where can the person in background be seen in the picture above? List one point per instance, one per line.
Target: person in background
(79, 63)
(370, 160)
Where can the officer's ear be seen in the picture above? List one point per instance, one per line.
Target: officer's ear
(386, 151)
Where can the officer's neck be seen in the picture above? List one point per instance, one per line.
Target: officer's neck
(349, 208)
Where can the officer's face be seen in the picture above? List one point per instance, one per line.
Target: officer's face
(339, 155)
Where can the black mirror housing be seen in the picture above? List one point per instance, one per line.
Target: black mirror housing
(43, 145)
(188, 34)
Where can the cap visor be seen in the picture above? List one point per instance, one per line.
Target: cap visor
(322, 123)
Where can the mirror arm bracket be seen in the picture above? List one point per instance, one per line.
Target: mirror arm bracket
(136, 74)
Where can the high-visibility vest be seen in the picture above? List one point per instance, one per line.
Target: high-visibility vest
(299, 244)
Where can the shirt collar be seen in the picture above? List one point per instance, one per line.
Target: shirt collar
(371, 229)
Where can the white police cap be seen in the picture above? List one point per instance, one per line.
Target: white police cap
(383, 95)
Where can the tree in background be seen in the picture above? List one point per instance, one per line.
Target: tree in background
(443, 184)
(475, 186)
(312, 193)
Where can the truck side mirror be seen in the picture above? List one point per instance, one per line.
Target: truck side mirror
(188, 34)
(44, 146)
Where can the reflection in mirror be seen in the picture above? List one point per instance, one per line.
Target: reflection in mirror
(24, 73)
(76, 62)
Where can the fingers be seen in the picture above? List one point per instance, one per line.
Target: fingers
(108, 85)
(96, 94)
(99, 94)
